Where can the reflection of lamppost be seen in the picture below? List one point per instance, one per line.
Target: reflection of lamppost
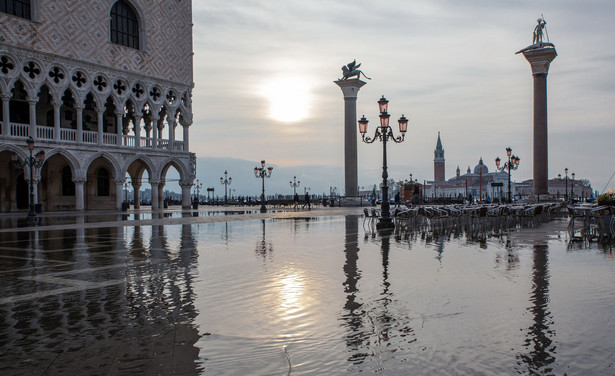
(512, 164)
(32, 163)
(384, 133)
(262, 173)
(226, 181)
(295, 183)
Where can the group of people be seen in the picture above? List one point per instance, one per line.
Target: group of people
(306, 201)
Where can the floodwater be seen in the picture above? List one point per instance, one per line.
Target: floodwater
(303, 296)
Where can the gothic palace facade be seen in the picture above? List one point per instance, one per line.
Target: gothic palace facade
(101, 87)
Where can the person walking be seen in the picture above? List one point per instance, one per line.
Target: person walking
(397, 199)
(307, 201)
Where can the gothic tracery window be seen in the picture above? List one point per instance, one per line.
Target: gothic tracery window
(19, 8)
(124, 25)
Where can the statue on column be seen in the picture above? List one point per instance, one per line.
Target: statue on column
(537, 40)
(350, 70)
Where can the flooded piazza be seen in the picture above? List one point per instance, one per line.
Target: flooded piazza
(301, 293)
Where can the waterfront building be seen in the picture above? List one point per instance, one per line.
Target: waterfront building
(101, 87)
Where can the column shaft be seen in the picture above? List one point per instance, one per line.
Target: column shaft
(541, 155)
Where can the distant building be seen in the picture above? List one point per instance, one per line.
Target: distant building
(101, 87)
(439, 162)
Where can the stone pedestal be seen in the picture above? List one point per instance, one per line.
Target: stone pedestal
(350, 89)
(540, 59)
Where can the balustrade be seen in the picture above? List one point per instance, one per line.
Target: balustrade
(44, 133)
(90, 137)
(19, 130)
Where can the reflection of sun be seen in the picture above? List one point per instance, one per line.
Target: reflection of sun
(291, 288)
(288, 98)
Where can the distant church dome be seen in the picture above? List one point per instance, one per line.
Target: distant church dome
(477, 168)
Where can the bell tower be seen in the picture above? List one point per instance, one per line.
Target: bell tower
(438, 161)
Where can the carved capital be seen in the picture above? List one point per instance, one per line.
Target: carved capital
(79, 180)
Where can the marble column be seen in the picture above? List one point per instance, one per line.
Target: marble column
(137, 130)
(350, 89)
(100, 123)
(186, 199)
(186, 127)
(79, 112)
(119, 193)
(154, 187)
(120, 127)
(161, 195)
(137, 195)
(32, 106)
(57, 120)
(79, 193)
(6, 128)
(171, 123)
(154, 132)
(540, 59)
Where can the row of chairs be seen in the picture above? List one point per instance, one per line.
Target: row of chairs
(591, 222)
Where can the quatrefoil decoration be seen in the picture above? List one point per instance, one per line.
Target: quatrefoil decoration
(138, 90)
(119, 87)
(32, 70)
(155, 93)
(79, 79)
(56, 74)
(6, 65)
(100, 82)
(171, 97)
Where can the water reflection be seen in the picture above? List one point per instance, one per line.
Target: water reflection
(77, 296)
(539, 341)
(379, 326)
(264, 247)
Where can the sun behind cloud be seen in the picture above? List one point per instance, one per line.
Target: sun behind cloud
(289, 98)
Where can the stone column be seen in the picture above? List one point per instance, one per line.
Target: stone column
(171, 122)
(350, 89)
(154, 185)
(57, 121)
(119, 193)
(120, 127)
(6, 127)
(161, 195)
(137, 130)
(79, 193)
(540, 59)
(186, 127)
(186, 199)
(137, 195)
(79, 112)
(154, 132)
(100, 122)
(32, 106)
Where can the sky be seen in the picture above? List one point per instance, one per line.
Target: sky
(264, 72)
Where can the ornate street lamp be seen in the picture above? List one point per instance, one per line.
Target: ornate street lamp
(295, 183)
(226, 181)
(566, 196)
(572, 188)
(384, 133)
(262, 173)
(32, 162)
(197, 190)
(512, 164)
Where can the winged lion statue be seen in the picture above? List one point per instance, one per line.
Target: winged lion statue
(350, 70)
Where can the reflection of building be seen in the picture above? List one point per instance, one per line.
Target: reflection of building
(101, 87)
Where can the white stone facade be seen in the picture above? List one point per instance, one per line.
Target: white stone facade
(98, 109)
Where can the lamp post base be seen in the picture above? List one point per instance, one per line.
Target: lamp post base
(263, 209)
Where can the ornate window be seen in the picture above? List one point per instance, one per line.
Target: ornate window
(68, 186)
(103, 182)
(19, 8)
(124, 25)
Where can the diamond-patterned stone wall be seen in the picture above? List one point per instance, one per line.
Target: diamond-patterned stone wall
(80, 30)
